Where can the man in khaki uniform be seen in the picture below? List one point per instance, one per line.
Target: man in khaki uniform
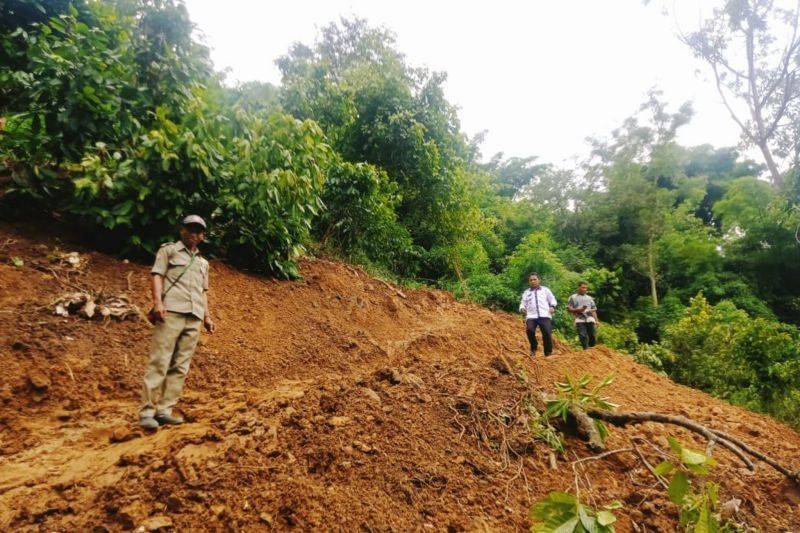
(180, 306)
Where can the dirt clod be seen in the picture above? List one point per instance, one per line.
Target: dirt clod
(338, 421)
(123, 433)
(38, 379)
(157, 523)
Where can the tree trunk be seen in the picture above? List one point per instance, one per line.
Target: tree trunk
(651, 271)
(775, 175)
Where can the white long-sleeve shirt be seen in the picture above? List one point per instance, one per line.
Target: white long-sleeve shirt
(536, 303)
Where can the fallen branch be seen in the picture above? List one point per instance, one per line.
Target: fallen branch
(89, 305)
(734, 444)
(69, 369)
(526, 353)
(584, 425)
(397, 291)
(794, 476)
(552, 458)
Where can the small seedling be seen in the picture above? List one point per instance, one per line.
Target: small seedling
(575, 393)
(562, 512)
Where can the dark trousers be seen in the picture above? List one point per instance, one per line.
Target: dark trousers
(547, 333)
(586, 334)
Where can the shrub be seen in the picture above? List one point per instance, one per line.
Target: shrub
(359, 219)
(621, 336)
(751, 362)
(270, 191)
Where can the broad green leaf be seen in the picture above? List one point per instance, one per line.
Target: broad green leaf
(558, 513)
(675, 446)
(663, 468)
(17, 262)
(678, 488)
(567, 527)
(692, 457)
(605, 518)
(124, 208)
(706, 523)
(700, 470)
(712, 489)
(588, 522)
(83, 183)
(562, 497)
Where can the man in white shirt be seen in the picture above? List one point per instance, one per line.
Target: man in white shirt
(538, 305)
(583, 307)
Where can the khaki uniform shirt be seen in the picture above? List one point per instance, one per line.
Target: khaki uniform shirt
(188, 294)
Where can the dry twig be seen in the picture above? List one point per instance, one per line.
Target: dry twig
(71, 375)
(646, 464)
(397, 291)
(7, 242)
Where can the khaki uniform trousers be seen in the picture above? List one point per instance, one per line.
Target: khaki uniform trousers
(174, 342)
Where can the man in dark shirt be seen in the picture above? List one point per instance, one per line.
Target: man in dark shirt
(583, 307)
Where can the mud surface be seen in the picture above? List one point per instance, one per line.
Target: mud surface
(334, 403)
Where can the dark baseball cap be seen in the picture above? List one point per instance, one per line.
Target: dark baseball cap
(194, 219)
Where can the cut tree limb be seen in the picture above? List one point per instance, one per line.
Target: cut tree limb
(623, 419)
(587, 429)
(794, 476)
(584, 425)
(735, 445)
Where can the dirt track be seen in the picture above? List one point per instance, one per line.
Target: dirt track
(333, 403)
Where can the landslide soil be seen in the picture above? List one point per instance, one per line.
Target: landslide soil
(337, 402)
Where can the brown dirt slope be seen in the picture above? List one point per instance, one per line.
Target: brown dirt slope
(332, 403)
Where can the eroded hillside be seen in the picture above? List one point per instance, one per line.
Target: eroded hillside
(336, 402)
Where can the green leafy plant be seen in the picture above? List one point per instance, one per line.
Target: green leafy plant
(576, 393)
(697, 508)
(271, 193)
(562, 512)
(359, 221)
(745, 360)
(541, 429)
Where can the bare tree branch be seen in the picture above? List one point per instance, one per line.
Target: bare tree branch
(735, 445)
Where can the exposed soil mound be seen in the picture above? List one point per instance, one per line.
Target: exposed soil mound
(336, 402)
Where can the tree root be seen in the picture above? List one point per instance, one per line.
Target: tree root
(735, 445)
(794, 476)
(584, 421)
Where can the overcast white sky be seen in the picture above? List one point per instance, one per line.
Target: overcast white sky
(540, 76)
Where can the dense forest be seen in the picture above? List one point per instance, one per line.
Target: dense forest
(112, 118)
